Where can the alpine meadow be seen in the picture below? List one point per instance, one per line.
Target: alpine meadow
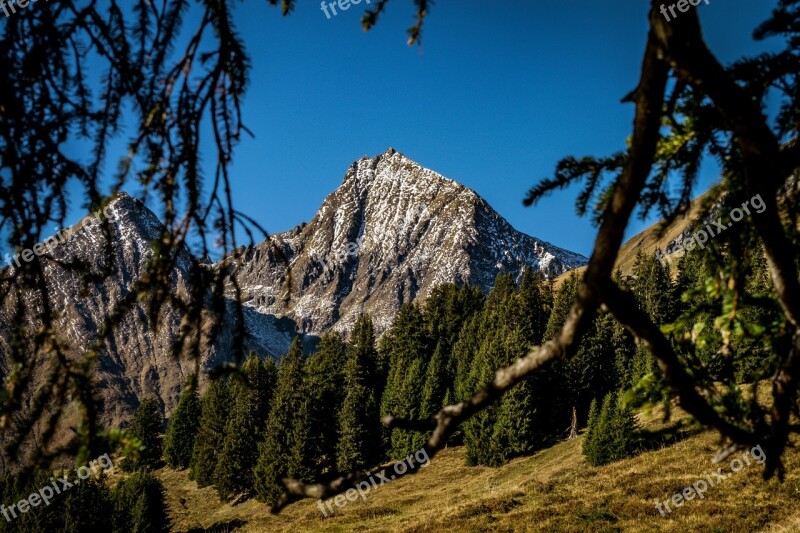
(428, 347)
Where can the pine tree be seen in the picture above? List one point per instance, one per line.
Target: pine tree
(183, 427)
(537, 304)
(590, 438)
(464, 354)
(146, 427)
(88, 506)
(436, 382)
(276, 458)
(592, 372)
(250, 396)
(139, 505)
(210, 436)
(410, 384)
(359, 445)
(504, 430)
(317, 424)
(653, 288)
(612, 432)
(602, 361)
(562, 303)
(541, 389)
(408, 345)
(515, 432)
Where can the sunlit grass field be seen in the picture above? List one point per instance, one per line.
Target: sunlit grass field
(553, 490)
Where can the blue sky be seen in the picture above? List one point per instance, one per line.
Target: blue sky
(495, 97)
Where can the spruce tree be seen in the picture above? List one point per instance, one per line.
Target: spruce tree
(612, 432)
(183, 427)
(139, 505)
(464, 354)
(87, 506)
(408, 344)
(602, 356)
(499, 323)
(590, 437)
(515, 432)
(436, 382)
(653, 288)
(317, 425)
(541, 390)
(537, 303)
(146, 427)
(210, 436)
(360, 444)
(250, 398)
(410, 385)
(276, 453)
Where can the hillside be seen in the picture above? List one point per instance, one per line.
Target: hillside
(648, 241)
(553, 490)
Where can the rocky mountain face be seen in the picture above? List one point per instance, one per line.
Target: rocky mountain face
(137, 361)
(390, 233)
(90, 273)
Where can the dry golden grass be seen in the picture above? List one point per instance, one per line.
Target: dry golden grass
(647, 241)
(553, 490)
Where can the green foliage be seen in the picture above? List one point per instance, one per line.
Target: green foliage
(511, 322)
(409, 349)
(435, 385)
(611, 433)
(250, 397)
(653, 288)
(276, 454)
(86, 506)
(146, 427)
(139, 505)
(360, 444)
(316, 427)
(210, 436)
(183, 427)
(593, 371)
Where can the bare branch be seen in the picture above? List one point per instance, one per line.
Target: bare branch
(623, 306)
(766, 168)
(648, 96)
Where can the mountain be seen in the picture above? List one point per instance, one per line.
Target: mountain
(390, 233)
(90, 275)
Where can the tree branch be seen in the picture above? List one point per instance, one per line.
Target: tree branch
(649, 98)
(624, 307)
(767, 165)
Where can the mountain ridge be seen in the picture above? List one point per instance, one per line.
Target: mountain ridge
(394, 226)
(390, 233)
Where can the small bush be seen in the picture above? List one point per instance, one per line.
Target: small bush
(611, 434)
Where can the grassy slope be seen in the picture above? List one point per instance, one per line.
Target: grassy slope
(554, 490)
(647, 241)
